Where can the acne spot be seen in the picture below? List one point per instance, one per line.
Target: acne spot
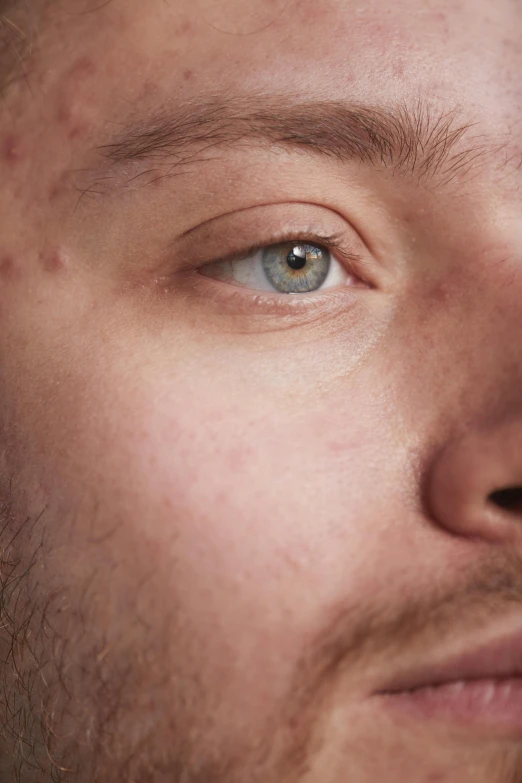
(73, 127)
(63, 115)
(11, 150)
(82, 68)
(9, 269)
(77, 131)
(58, 188)
(185, 28)
(238, 458)
(55, 192)
(398, 68)
(53, 262)
(188, 74)
(441, 293)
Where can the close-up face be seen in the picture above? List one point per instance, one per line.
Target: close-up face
(261, 391)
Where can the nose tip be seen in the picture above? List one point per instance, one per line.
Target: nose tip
(475, 484)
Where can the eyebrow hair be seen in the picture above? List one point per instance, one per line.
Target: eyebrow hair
(418, 141)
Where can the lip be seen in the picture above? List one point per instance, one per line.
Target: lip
(481, 688)
(499, 660)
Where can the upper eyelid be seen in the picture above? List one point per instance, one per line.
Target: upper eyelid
(228, 237)
(301, 225)
(331, 242)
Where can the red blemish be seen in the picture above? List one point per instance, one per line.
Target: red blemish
(440, 293)
(63, 115)
(11, 149)
(55, 192)
(238, 458)
(59, 188)
(398, 68)
(77, 131)
(82, 68)
(9, 270)
(52, 262)
(185, 28)
(188, 74)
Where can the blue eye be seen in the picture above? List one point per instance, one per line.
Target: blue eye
(296, 269)
(286, 268)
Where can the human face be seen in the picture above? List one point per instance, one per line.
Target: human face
(234, 517)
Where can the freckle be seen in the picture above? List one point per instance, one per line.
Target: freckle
(12, 150)
(9, 270)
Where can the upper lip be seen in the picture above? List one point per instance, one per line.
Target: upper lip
(500, 659)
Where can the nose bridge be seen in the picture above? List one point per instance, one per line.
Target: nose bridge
(477, 310)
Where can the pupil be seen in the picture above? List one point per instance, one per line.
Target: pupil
(294, 260)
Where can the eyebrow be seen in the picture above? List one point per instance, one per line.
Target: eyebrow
(418, 141)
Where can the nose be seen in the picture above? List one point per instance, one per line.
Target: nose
(474, 487)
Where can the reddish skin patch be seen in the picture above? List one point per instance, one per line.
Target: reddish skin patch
(185, 28)
(9, 270)
(63, 115)
(55, 192)
(52, 262)
(59, 188)
(11, 149)
(441, 292)
(82, 68)
(188, 75)
(398, 68)
(77, 131)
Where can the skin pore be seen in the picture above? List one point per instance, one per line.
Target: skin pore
(230, 516)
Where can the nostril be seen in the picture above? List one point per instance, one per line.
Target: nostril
(509, 499)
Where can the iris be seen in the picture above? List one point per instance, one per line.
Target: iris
(296, 269)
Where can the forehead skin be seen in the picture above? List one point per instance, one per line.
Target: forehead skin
(227, 541)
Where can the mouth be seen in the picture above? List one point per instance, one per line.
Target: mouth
(480, 688)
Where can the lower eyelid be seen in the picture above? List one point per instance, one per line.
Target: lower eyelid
(235, 300)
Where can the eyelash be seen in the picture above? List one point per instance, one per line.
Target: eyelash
(331, 242)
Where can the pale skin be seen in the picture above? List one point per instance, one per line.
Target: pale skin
(231, 517)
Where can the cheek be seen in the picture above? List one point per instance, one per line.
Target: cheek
(246, 489)
(255, 516)
(258, 504)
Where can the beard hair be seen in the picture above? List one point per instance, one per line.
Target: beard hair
(79, 705)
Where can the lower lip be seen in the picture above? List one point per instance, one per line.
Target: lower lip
(493, 704)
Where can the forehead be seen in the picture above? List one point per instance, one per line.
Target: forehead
(125, 57)
(98, 69)
(460, 50)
